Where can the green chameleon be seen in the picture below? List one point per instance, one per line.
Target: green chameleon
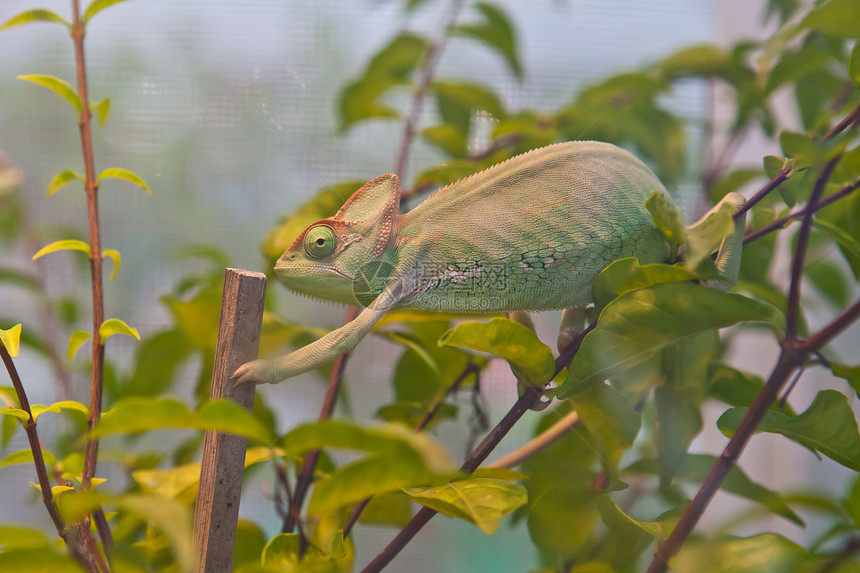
(528, 234)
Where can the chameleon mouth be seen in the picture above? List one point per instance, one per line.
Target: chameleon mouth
(326, 268)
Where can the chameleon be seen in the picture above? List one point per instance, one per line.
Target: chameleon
(528, 234)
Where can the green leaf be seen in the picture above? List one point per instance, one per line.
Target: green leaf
(625, 275)
(827, 426)
(39, 409)
(64, 245)
(703, 61)
(481, 501)
(114, 255)
(837, 17)
(497, 32)
(388, 509)
(37, 15)
(611, 422)
(115, 326)
(17, 537)
(562, 519)
(25, 457)
(850, 374)
(530, 359)
(97, 6)
(156, 360)
(101, 108)
(765, 553)
(391, 66)
(399, 458)
(667, 218)
(10, 338)
(449, 138)
(732, 182)
(38, 560)
(77, 338)
(737, 388)
(848, 244)
(60, 87)
(854, 65)
(695, 468)
(61, 179)
(679, 399)
(16, 412)
(629, 537)
(140, 414)
(637, 324)
(181, 482)
(119, 173)
(457, 102)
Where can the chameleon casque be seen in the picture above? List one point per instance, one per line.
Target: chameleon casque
(528, 234)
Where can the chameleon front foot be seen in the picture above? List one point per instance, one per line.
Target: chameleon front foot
(255, 372)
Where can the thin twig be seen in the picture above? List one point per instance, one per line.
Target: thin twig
(553, 434)
(471, 368)
(793, 308)
(764, 192)
(783, 221)
(91, 187)
(792, 355)
(529, 398)
(306, 475)
(35, 446)
(847, 122)
(426, 73)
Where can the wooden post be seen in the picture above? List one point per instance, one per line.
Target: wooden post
(224, 454)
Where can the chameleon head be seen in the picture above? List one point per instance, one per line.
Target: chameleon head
(329, 259)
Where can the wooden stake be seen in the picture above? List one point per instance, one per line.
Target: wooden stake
(224, 454)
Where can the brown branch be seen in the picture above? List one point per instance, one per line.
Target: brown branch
(847, 122)
(529, 398)
(471, 368)
(783, 221)
(792, 355)
(793, 308)
(91, 187)
(426, 73)
(35, 446)
(764, 192)
(306, 475)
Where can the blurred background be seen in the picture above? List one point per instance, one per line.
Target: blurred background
(228, 110)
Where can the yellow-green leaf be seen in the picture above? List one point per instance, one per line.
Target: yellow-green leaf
(530, 359)
(114, 255)
(65, 245)
(61, 179)
(37, 15)
(102, 110)
(854, 64)
(39, 409)
(60, 87)
(115, 326)
(138, 414)
(26, 457)
(97, 6)
(119, 173)
(17, 412)
(75, 341)
(10, 338)
(482, 501)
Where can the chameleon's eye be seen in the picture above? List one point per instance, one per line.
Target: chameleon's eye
(320, 241)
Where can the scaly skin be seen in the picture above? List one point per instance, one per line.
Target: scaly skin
(528, 234)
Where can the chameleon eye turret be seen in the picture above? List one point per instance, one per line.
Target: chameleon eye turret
(320, 241)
